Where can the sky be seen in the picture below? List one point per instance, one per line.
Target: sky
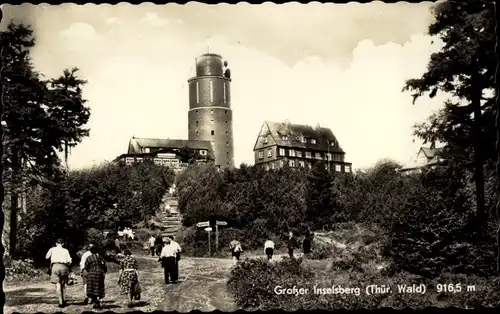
(340, 65)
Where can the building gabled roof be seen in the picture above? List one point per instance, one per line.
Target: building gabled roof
(430, 152)
(295, 132)
(136, 144)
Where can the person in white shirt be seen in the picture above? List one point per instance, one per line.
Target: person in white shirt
(60, 260)
(83, 272)
(269, 249)
(177, 248)
(167, 258)
(236, 249)
(151, 242)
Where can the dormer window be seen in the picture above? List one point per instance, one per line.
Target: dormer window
(284, 138)
(265, 140)
(203, 152)
(145, 150)
(313, 141)
(303, 139)
(332, 143)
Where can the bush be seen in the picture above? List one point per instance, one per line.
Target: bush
(21, 271)
(87, 202)
(252, 282)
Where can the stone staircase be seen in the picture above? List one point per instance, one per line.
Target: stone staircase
(171, 219)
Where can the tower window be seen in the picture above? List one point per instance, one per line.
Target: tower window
(225, 112)
(211, 111)
(211, 121)
(197, 93)
(196, 123)
(196, 112)
(212, 132)
(224, 87)
(211, 90)
(227, 133)
(227, 143)
(226, 121)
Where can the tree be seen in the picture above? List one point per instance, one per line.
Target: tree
(319, 196)
(40, 117)
(464, 68)
(67, 112)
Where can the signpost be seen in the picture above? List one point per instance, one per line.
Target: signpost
(203, 224)
(208, 229)
(217, 224)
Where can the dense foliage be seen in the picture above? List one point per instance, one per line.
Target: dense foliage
(41, 117)
(101, 198)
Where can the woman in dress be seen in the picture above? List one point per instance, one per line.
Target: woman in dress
(129, 279)
(95, 268)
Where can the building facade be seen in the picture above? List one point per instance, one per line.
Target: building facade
(210, 117)
(298, 146)
(165, 152)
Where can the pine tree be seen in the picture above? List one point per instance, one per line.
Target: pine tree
(464, 68)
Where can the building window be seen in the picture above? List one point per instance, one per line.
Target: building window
(284, 138)
(139, 159)
(265, 140)
(226, 122)
(211, 111)
(301, 163)
(224, 87)
(273, 166)
(291, 163)
(203, 152)
(145, 150)
(299, 153)
(196, 123)
(227, 143)
(332, 143)
(158, 161)
(211, 121)
(282, 163)
(313, 141)
(225, 112)
(303, 139)
(282, 152)
(212, 132)
(318, 155)
(308, 154)
(197, 92)
(309, 165)
(261, 154)
(211, 90)
(227, 133)
(347, 168)
(266, 167)
(269, 152)
(213, 143)
(196, 112)
(329, 156)
(292, 153)
(196, 133)
(129, 160)
(338, 168)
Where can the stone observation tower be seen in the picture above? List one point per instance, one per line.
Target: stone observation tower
(210, 117)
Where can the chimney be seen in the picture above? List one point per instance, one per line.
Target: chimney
(287, 122)
(318, 126)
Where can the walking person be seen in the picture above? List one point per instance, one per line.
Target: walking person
(95, 267)
(151, 242)
(129, 278)
(292, 244)
(167, 258)
(60, 261)
(236, 250)
(269, 249)
(177, 248)
(84, 272)
(158, 244)
(307, 243)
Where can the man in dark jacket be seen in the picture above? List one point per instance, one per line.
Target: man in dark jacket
(292, 244)
(307, 243)
(158, 245)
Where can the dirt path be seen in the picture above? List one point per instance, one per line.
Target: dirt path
(202, 287)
